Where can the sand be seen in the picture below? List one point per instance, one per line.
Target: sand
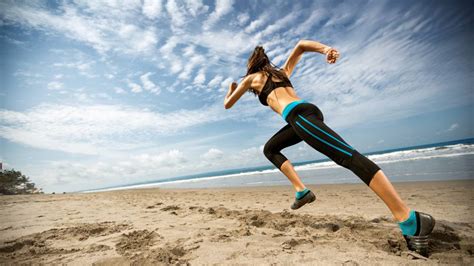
(346, 225)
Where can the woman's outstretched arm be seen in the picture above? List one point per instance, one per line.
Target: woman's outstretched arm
(308, 46)
(236, 91)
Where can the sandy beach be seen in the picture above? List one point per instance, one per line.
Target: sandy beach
(347, 224)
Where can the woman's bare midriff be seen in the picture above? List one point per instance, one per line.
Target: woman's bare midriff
(280, 97)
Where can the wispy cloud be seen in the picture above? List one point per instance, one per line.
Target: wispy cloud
(91, 129)
(135, 87)
(212, 154)
(152, 8)
(222, 7)
(176, 13)
(104, 33)
(79, 175)
(453, 127)
(148, 85)
(55, 85)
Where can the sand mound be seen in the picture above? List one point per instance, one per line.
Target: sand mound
(136, 241)
(159, 256)
(42, 243)
(376, 234)
(84, 231)
(137, 248)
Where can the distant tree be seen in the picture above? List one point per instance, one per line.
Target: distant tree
(14, 182)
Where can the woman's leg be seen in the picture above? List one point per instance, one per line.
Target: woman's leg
(311, 128)
(384, 189)
(285, 137)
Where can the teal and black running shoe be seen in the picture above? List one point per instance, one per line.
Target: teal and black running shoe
(419, 241)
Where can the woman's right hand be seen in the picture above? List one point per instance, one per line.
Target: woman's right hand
(332, 55)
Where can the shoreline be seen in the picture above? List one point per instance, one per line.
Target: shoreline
(257, 187)
(233, 225)
(289, 185)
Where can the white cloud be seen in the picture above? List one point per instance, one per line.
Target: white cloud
(127, 169)
(135, 87)
(213, 154)
(148, 84)
(138, 39)
(189, 51)
(222, 7)
(453, 127)
(151, 8)
(27, 74)
(111, 8)
(196, 7)
(178, 17)
(224, 86)
(193, 62)
(215, 82)
(84, 67)
(316, 16)
(119, 90)
(200, 78)
(97, 28)
(171, 158)
(280, 23)
(260, 21)
(249, 156)
(91, 129)
(231, 44)
(243, 18)
(166, 51)
(55, 85)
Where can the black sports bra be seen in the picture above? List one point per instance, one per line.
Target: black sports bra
(269, 86)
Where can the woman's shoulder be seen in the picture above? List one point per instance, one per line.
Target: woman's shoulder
(258, 79)
(260, 75)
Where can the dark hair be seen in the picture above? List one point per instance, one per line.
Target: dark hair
(258, 61)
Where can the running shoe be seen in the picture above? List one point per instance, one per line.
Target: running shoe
(307, 198)
(419, 241)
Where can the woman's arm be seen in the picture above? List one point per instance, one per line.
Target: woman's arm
(236, 91)
(308, 46)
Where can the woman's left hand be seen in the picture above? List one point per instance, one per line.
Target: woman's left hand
(233, 86)
(231, 90)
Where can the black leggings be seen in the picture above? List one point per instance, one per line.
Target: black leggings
(305, 122)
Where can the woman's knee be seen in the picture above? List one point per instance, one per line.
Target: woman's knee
(274, 155)
(360, 165)
(268, 150)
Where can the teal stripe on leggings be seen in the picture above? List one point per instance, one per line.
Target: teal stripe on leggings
(325, 132)
(309, 132)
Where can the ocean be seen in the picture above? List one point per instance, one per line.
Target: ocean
(452, 160)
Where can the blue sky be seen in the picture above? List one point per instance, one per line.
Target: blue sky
(102, 93)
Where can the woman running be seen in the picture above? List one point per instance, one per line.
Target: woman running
(305, 122)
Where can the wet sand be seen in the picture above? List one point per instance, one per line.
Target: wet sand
(347, 224)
